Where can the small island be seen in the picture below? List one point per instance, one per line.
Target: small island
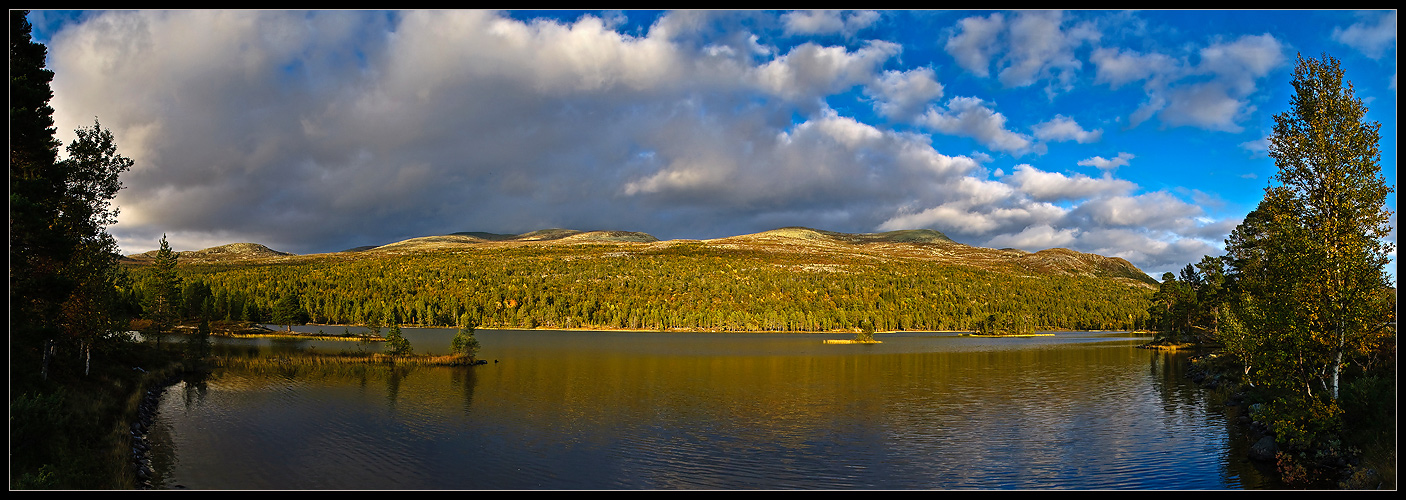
(865, 336)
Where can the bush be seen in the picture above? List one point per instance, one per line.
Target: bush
(1303, 423)
(1369, 400)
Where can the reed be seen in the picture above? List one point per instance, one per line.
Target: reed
(311, 359)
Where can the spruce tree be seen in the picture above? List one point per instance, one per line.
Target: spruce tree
(37, 249)
(164, 289)
(464, 343)
(63, 263)
(396, 344)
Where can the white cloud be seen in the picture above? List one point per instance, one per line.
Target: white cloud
(1033, 46)
(1054, 186)
(1157, 210)
(1062, 128)
(827, 22)
(976, 42)
(1258, 147)
(811, 70)
(1105, 164)
(1374, 36)
(902, 94)
(970, 117)
(1035, 238)
(1212, 94)
(1040, 48)
(1118, 67)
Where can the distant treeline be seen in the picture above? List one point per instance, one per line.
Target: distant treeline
(687, 286)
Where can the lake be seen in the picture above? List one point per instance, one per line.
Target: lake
(652, 410)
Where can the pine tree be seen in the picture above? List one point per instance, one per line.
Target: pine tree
(464, 343)
(164, 289)
(287, 310)
(396, 344)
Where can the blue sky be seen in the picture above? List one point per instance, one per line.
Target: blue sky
(1135, 134)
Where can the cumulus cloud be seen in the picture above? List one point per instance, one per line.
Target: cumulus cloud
(974, 44)
(1107, 165)
(902, 94)
(1054, 186)
(1039, 236)
(970, 117)
(1156, 210)
(1374, 35)
(828, 22)
(1033, 46)
(1212, 93)
(1063, 128)
(1117, 67)
(811, 70)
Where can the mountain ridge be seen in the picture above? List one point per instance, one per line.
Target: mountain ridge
(921, 244)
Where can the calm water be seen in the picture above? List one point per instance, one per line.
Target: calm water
(632, 410)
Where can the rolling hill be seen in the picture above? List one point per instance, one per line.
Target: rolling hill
(787, 279)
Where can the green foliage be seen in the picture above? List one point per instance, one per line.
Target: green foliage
(1301, 421)
(164, 289)
(1302, 293)
(37, 423)
(464, 343)
(37, 248)
(396, 344)
(866, 331)
(1330, 210)
(63, 263)
(287, 311)
(697, 287)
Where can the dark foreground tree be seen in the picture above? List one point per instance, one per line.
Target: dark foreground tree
(63, 263)
(37, 250)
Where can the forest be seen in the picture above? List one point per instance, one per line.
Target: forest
(686, 286)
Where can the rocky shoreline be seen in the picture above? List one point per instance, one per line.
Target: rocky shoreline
(1209, 371)
(146, 414)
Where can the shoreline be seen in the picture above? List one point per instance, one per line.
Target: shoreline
(715, 330)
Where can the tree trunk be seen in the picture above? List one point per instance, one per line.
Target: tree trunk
(1337, 367)
(48, 355)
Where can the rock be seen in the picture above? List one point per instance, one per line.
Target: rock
(1264, 449)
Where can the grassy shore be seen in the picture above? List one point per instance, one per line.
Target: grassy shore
(346, 359)
(1008, 335)
(74, 431)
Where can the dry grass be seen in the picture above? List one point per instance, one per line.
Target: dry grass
(345, 359)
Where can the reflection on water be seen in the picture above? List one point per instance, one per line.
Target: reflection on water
(631, 410)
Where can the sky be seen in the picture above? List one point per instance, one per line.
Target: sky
(1132, 134)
